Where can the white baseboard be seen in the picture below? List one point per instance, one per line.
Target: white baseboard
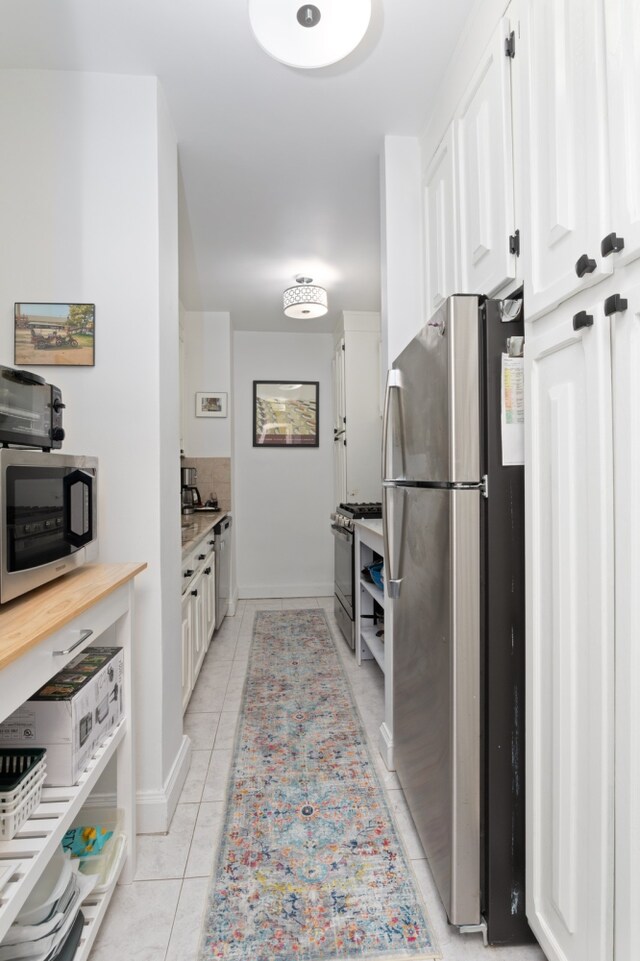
(233, 603)
(258, 591)
(154, 809)
(385, 746)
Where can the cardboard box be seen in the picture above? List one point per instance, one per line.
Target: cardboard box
(71, 714)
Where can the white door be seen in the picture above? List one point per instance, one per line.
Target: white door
(441, 235)
(570, 641)
(485, 173)
(625, 336)
(186, 650)
(623, 82)
(560, 131)
(339, 425)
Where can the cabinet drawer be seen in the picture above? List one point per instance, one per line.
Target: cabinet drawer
(36, 666)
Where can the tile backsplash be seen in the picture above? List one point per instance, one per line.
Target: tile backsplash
(213, 479)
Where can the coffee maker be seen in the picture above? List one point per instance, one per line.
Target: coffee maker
(190, 495)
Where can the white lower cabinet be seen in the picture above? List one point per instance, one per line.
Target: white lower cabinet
(570, 640)
(625, 327)
(198, 611)
(583, 663)
(209, 591)
(185, 640)
(198, 625)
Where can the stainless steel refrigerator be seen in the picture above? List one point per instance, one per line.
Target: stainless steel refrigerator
(454, 556)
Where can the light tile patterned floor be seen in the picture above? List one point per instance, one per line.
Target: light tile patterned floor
(158, 917)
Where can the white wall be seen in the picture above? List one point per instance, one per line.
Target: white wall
(207, 367)
(402, 246)
(282, 497)
(88, 210)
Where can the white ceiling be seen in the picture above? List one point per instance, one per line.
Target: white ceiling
(279, 166)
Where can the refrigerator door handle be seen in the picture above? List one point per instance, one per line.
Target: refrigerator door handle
(392, 532)
(393, 384)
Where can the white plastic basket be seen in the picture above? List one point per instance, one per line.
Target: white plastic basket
(18, 802)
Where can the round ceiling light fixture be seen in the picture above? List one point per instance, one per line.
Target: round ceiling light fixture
(309, 35)
(305, 301)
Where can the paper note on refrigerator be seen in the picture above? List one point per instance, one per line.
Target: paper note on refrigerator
(512, 413)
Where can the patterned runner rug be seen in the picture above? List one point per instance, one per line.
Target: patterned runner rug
(310, 866)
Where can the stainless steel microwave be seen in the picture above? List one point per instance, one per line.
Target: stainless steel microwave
(49, 516)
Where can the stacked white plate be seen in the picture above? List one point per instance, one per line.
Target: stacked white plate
(40, 930)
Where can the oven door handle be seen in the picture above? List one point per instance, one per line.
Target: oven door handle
(342, 533)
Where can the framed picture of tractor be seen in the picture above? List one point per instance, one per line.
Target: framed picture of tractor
(60, 334)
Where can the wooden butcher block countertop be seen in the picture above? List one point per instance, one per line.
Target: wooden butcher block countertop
(27, 620)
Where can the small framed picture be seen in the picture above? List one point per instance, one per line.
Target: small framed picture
(60, 334)
(209, 404)
(285, 413)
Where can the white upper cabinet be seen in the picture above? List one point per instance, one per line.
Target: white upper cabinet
(560, 123)
(623, 83)
(441, 235)
(485, 173)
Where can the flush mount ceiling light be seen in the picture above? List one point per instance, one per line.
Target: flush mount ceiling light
(305, 301)
(309, 35)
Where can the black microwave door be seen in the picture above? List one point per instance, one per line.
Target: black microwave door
(78, 508)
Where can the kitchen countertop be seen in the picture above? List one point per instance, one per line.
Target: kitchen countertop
(370, 524)
(29, 619)
(195, 526)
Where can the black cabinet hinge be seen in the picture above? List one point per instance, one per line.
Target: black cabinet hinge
(510, 45)
(514, 243)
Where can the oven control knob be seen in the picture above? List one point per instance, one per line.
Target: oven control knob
(57, 433)
(58, 405)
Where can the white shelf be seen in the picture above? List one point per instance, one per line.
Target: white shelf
(100, 597)
(41, 835)
(376, 592)
(369, 547)
(374, 644)
(94, 909)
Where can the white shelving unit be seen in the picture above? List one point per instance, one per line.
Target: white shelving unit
(369, 546)
(44, 655)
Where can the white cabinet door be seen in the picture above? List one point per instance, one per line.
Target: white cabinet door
(441, 235)
(570, 642)
(198, 625)
(485, 173)
(186, 650)
(623, 82)
(626, 400)
(209, 588)
(560, 127)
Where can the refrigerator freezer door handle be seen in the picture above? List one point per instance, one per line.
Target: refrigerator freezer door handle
(392, 545)
(393, 383)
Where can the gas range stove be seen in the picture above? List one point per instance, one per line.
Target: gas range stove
(346, 514)
(359, 511)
